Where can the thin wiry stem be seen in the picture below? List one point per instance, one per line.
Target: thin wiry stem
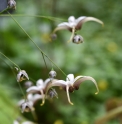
(37, 16)
(4, 10)
(36, 44)
(12, 70)
(9, 60)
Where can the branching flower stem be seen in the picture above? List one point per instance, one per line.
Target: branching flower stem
(10, 60)
(36, 44)
(37, 16)
(12, 70)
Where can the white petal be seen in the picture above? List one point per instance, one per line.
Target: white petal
(63, 24)
(84, 78)
(15, 122)
(39, 82)
(78, 77)
(91, 19)
(71, 19)
(37, 97)
(67, 91)
(80, 19)
(32, 89)
(28, 122)
(61, 28)
(21, 102)
(47, 81)
(70, 77)
(55, 82)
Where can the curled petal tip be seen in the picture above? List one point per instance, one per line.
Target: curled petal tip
(71, 103)
(42, 103)
(96, 93)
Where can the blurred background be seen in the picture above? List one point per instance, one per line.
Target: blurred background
(100, 56)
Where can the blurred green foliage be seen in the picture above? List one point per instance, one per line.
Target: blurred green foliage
(99, 56)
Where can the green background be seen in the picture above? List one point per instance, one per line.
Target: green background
(100, 56)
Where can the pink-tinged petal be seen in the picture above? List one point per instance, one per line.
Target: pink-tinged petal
(33, 89)
(84, 78)
(37, 97)
(43, 97)
(67, 91)
(54, 83)
(63, 24)
(73, 33)
(78, 77)
(40, 82)
(79, 24)
(80, 19)
(61, 28)
(70, 77)
(71, 19)
(46, 82)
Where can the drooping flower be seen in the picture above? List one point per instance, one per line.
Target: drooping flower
(77, 39)
(11, 4)
(41, 88)
(72, 84)
(27, 105)
(52, 74)
(21, 75)
(75, 24)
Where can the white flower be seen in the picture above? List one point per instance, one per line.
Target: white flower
(72, 84)
(11, 4)
(26, 105)
(21, 75)
(52, 74)
(75, 24)
(40, 88)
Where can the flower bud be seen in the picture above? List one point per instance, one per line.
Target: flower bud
(22, 75)
(52, 93)
(52, 74)
(77, 39)
(11, 4)
(53, 36)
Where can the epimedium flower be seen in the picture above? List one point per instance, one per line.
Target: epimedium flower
(52, 74)
(72, 84)
(27, 105)
(21, 75)
(75, 24)
(77, 39)
(41, 88)
(11, 4)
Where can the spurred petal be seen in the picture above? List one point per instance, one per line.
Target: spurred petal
(37, 97)
(84, 78)
(80, 19)
(43, 97)
(64, 24)
(67, 91)
(55, 82)
(86, 20)
(33, 89)
(61, 28)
